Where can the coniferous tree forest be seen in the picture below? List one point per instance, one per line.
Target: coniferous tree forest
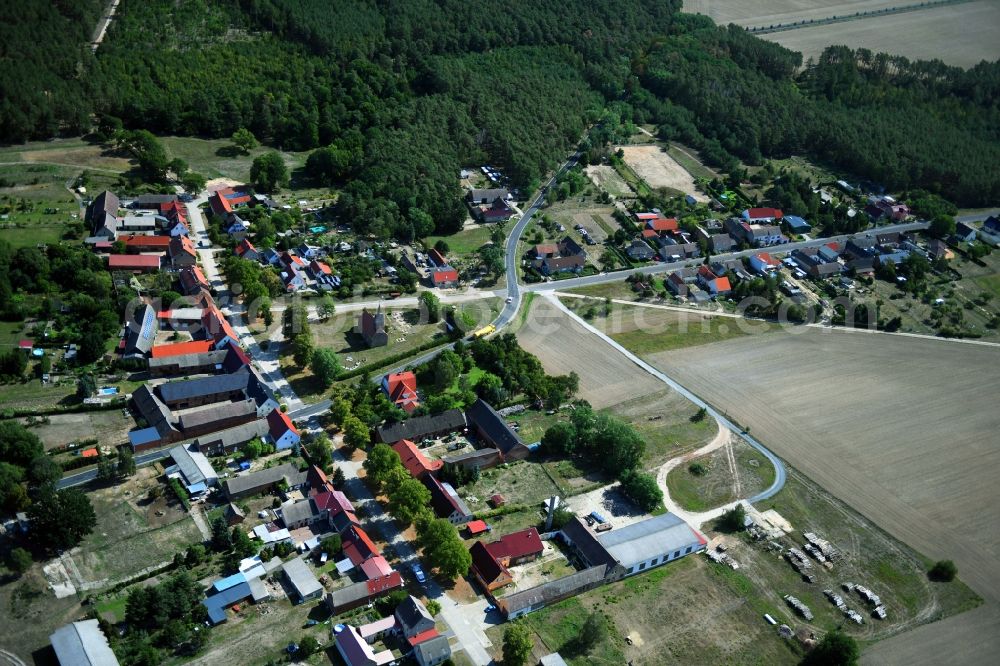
(395, 95)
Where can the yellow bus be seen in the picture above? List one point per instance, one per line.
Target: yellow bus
(484, 331)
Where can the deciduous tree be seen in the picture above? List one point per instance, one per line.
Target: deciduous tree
(517, 644)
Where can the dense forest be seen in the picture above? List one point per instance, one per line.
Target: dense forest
(397, 95)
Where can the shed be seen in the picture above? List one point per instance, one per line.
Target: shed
(477, 527)
(302, 580)
(82, 644)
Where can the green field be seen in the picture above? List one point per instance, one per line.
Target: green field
(465, 241)
(218, 158)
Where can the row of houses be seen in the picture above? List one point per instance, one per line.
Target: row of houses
(411, 627)
(490, 205)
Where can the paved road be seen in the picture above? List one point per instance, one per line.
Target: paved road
(266, 361)
(465, 620)
(976, 217)
(657, 268)
(90, 475)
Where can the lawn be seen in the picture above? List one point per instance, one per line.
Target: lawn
(687, 158)
(218, 158)
(465, 241)
(663, 419)
(522, 482)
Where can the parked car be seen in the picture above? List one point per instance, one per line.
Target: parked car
(418, 573)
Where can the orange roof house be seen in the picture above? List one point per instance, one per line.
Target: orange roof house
(181, 348)
(415, 462)
(401, 387)
(662, 224)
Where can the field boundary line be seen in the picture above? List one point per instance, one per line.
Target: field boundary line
(857, 16)
(779, 468)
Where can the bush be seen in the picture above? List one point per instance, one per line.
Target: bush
(836, 649)
(732, 520)
(19, 560)
(697, 469)
(943, 571)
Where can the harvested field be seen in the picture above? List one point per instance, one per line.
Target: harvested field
(659, 169)
(962, 34)
(606, 178)
(767, 12)
(899, 428)
(606, 378)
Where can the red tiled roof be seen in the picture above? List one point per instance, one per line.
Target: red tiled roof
(133, 261)
(320, 267)
(375, 567)
(476, 527)
(415, 462)
(401, 388)
(759, 213)
(244, 247)
(148, 241)
(444, 275)
(384, 584)
(89, 453)
(516, 545)
(485, 564)
(722, 284)
(217, 326)
(767, 258)
(333, 501)
(358, 546)
(278, 423)
(646, 216)
(25, 344)
(662, 224)
(421, 637)
(181, 348)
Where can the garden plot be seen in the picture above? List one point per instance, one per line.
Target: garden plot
(606, 178)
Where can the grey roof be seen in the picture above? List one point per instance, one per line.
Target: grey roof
(257, 388)
(419, 426)
(185, 362)
(193, 465)
(413, 616)
(156, 414)
(346, 595)
(649, 538)
(433, 650)
(482, 415)
(568, 246)
(586, 544)
(235, 436)
(444, 499)
(140, 331)
(82, 644)
(488, 195)
(297, 511)
(258, 590)
(263, 478)
(105, 203)
(554, 590)
(301, 577)
(554, 659)
(216, 412)
(202, 387)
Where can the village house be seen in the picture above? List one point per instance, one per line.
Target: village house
(280, 430)
(796, 224)
(639, 250)
(135, 263)
(761, 215)
(182, 252)
(256, 483)
(401, 389)
(764, 263)
(491, 429)
(415, 462)
(444, 278)
(245, 250)
(446, 502)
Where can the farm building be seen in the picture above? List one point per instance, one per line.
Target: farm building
(417, 428)
(796, 224)
(302, 580)
(263, 481)
(490, 427)
(82, 644)
(415, 462)
(359, 594)
(651, 542)
(137, 263)
(228, 440)
(191, 466)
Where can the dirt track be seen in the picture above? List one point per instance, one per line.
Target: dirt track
(606, 377)
(902, 429)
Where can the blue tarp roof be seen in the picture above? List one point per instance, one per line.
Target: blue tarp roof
(228, 582)
(217, 603)
(199, 487)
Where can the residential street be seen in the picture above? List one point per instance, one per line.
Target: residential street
(460, 618)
